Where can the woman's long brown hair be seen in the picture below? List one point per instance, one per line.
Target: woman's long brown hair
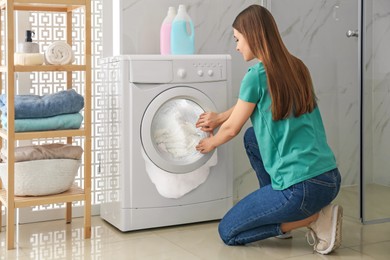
(289, 81)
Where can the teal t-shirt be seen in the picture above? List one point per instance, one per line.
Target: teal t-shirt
(293, 149)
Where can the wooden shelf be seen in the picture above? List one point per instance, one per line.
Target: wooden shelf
(44, 134)
(75, 193)
(46, 5)
(21, 68)
(7, 197)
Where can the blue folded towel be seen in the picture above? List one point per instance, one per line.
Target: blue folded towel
(34, 106)
(60, 122)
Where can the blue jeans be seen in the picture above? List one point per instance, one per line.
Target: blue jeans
(260, 214)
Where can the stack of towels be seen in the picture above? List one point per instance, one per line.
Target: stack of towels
(55, 111)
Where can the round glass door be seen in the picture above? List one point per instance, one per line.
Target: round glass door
(168, 133)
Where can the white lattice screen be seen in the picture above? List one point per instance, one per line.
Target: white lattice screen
(50, 27)
(47, 27)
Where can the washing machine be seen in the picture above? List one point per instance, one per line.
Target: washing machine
(152, 175)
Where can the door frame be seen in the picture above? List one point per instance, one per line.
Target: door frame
(177, 92)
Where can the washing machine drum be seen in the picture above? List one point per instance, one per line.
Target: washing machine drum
(168, 131)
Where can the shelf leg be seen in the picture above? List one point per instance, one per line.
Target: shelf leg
(87, 219)
(68, 216)
(10, 228)
(1, 184)
(1, 216)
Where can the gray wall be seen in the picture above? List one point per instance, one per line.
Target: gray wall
(312, 30)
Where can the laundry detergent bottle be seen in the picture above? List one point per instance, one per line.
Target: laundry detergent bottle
(182, 39)
(165, 32)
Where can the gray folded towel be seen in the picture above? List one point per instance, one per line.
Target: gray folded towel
(45, 151)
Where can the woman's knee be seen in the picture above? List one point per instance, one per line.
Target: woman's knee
(249, 135)
(224, 232)
(250, 138)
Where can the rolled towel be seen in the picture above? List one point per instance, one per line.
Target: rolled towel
(34, 106)
(59, 53)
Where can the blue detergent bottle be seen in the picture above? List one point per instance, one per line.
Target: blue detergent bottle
(182, 39)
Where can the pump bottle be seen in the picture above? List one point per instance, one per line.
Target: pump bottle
(29, 46)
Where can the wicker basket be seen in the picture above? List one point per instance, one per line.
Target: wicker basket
(42, 177)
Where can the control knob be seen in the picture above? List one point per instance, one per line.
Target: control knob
(181, 73)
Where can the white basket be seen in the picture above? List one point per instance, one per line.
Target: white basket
(42, 177)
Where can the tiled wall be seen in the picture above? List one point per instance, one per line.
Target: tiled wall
(213, 35)
(315, 31)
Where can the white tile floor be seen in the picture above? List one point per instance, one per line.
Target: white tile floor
(57, 240)
(375, 199)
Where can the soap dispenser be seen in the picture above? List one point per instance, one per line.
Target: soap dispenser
(165, 31)
(28, 52)
(182, 40)
(28, 46)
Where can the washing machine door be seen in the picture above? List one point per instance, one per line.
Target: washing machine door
(168, 131)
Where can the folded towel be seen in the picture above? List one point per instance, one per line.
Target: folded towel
(34, 106)
(67, 121)
(28, 59)
(45, 151)
(59, 53)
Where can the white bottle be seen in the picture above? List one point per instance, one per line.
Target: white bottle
(182, 39)
(165, 31)
(29, 46)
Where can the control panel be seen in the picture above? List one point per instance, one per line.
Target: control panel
(199, 70)
(159, 69)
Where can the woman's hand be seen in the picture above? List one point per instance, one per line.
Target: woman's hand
(205, 145)
(207, 122)
(231, 123)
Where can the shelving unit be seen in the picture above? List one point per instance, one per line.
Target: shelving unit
(7, 197)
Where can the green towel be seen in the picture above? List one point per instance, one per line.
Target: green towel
(60, 122)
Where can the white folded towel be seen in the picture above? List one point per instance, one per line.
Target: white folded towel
(59, 53)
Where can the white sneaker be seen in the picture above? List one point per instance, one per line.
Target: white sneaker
(325, 232)
(286, 235)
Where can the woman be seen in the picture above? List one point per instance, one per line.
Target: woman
(286, 146)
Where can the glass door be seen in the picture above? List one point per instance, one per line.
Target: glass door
(168, 131)
(375, 116)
